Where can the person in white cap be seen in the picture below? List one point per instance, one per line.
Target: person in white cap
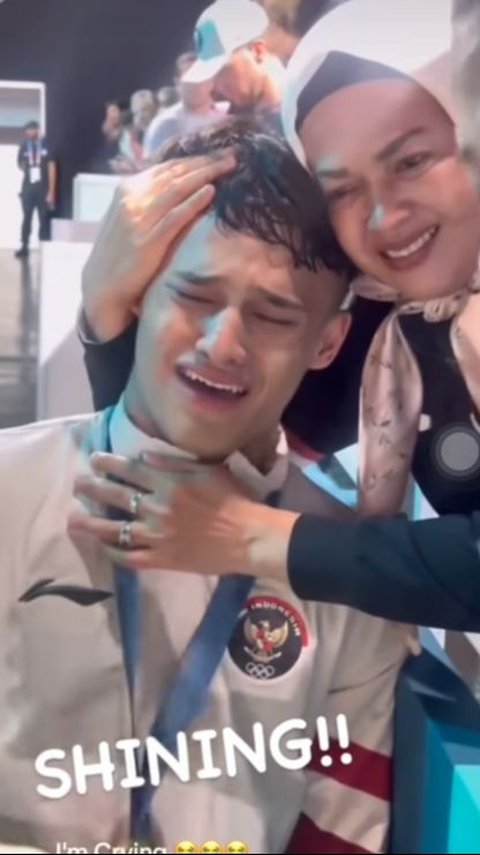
(194, 112)
(231, 51)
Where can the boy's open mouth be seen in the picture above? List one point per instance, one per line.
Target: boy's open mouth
(210, 385)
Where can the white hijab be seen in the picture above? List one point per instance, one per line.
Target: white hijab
(412, 36)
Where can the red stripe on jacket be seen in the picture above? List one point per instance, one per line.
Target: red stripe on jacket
(369, 772)
(310, 839)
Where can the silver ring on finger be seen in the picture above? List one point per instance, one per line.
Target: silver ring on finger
(125, 535)
(134, 503)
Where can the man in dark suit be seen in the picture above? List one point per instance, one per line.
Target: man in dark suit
(38, 186)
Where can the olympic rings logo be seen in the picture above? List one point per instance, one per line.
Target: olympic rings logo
(260, 672)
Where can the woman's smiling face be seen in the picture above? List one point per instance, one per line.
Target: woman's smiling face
(401, 201)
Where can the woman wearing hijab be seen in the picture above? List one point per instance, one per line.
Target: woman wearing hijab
(405, 211)
(369, 109)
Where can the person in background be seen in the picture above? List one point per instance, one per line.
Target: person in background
(113, 121)
(112, 130)
(143, 107)
(167, 96)
(39, 185)
(232, 54)
(195, 111)
(128, 147)
(130, 150)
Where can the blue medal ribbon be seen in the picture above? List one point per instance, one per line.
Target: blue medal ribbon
(188, 695)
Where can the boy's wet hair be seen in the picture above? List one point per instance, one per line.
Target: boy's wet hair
(269, 195)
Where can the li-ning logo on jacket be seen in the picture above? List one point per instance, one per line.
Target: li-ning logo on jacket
(75, 593)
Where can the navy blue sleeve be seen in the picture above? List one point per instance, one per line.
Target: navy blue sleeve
(425, 572)
(108, 363)
(51, 154)
(21, 156)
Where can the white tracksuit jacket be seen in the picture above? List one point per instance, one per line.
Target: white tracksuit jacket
(63, 681)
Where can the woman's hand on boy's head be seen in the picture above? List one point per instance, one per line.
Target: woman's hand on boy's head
(148, 213)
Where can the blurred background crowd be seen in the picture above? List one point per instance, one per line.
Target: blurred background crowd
(134, 128)
(108, 110)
